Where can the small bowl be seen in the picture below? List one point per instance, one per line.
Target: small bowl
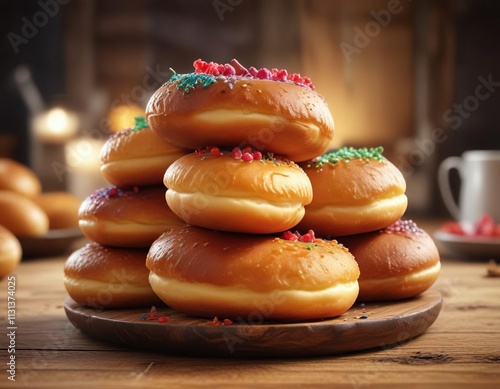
(55, 242)
(470, 247)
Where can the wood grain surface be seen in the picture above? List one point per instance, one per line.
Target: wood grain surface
(364, 326)
(461, 349)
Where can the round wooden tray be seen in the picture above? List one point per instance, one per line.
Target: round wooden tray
(364, 326)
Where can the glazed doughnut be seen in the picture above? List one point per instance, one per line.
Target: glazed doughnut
(355, 191)
(18, 178)
(61, 209)
(105, 277)
(236, 191)
(209, 273)
(21, 216)
(397, 262)
(10, 252)
(137, 156)
(228, 105)
(121, 217)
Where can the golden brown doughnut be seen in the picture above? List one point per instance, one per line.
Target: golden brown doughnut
(354, 191)
(10, 252)
(61, 209)
(222, 191)
(210, 273)
(18, 178)
(105, 277)
(21, 216)
(137, 156)
(397, 262)
(268, 110)
(132, 217)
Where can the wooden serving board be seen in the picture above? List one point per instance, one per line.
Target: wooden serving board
(364, 326)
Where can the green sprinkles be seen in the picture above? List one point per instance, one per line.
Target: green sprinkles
(140, 123)
(190, 81)
(348, 153)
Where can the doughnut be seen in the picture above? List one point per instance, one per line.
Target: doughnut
(397, 262)
(238, 191)
(354, 191)
(228, 105)
(21, 216)
(136, 156)
(10, 252)
(18, 178)
(126, 217)
(107, 277)
(246, 277)
(61, 209)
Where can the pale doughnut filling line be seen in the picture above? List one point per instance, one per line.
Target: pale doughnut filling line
(237, 296)
(409, 279)
(223, 116)
(376, 206)
(84, 285)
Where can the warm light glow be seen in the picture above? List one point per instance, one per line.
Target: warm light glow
(123, 117)
(83, 165)
(56, 125)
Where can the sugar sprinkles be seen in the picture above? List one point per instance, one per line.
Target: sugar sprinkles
(407, 227)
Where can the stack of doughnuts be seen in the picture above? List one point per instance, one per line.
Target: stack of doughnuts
(121, 221)
(240, 191)
(235, 205)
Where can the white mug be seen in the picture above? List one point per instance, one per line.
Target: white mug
(479, 172)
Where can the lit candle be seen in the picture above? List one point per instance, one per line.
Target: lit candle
(82, 162)
(56, 125)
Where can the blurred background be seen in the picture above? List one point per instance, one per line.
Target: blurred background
(419, 77)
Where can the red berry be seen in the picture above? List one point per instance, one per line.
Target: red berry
(163, 319)
(215, 152)
(112, 192)
(247, 149)
(236, 153)
(308, 238)
(228, 71)
(200, 66)
(227, 322)
(264, 74)
(247, 157)
(485, 226)
(453, 228)
(288, 235)
(257, 155)
(281, 75)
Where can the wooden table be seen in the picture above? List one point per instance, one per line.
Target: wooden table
(461, 348)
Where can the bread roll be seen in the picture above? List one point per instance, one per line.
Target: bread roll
(21, 215)
(10, 252)
(61, 209)
(18, 178)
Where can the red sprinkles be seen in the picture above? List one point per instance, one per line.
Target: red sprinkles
(247, 154)
(225, 322)
(236, 69)
(153, 315)
(308, 237)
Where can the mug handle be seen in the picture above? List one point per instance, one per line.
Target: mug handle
(444, 184)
